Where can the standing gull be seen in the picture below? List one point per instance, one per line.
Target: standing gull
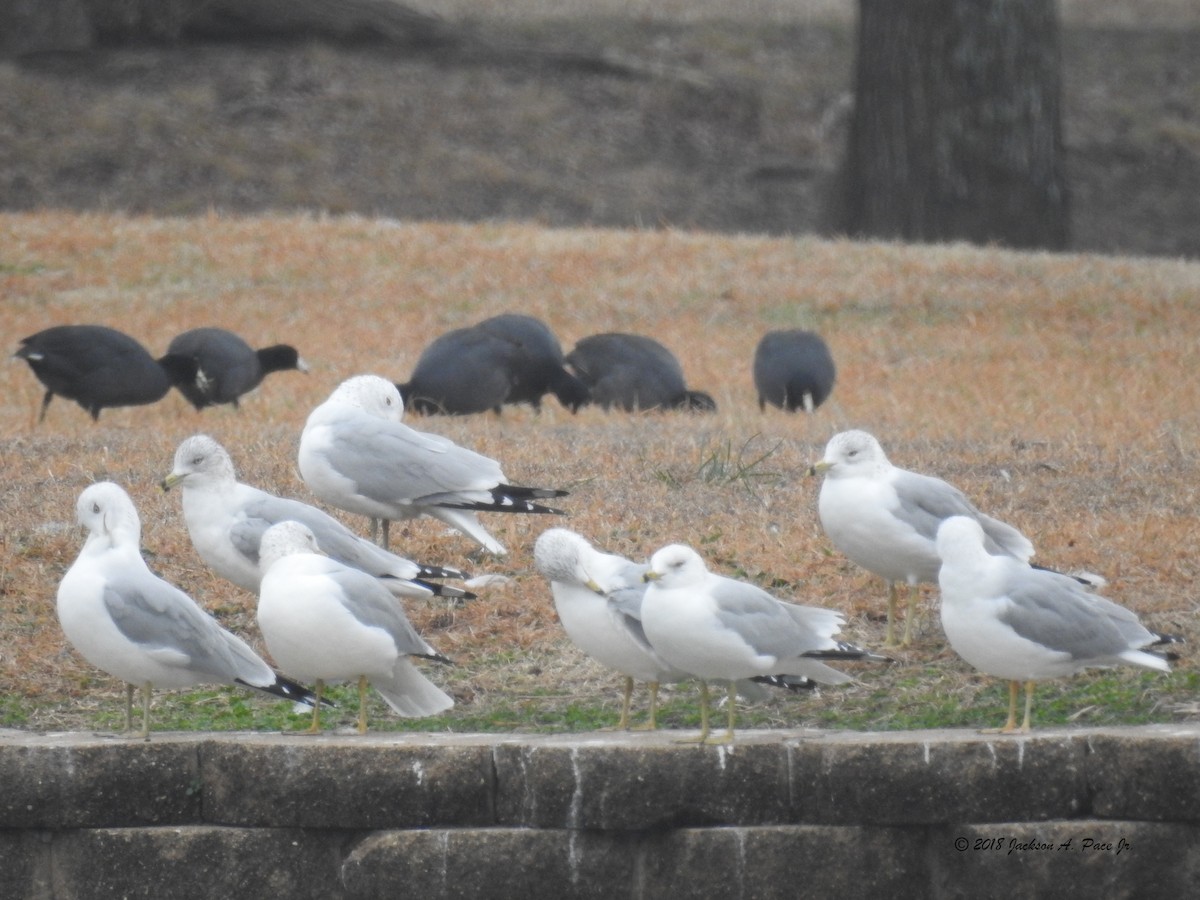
(356, 455)
(126, 620)
(598, 597)
(885, 519)
(334, 623)
(720, 629)
(226, 520)
(1019, 623)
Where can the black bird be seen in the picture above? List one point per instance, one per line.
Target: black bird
(227, 366)
(463, 371)
(506, 359)
(99, 367)
(793, 369)
(537, 361)
(634, 372)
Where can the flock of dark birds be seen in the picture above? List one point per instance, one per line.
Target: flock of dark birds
(504, 360)
(327, 598)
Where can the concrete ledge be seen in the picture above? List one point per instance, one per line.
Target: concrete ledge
(937, 813)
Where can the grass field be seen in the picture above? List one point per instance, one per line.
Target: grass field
(1058, 391)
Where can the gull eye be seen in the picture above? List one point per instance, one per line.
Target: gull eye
(96, 507)
(196, 460)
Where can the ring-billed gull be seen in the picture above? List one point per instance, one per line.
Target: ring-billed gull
(793, 369)
(226, 520)
(333, 623)
(721, 629)
(634, 372)
(357, 455)
(99, 367)
(598, 597)
(886, 519)
(1019, 623)
(126, 620)
(226, 366)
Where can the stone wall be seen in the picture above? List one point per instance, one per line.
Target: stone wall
(1088, 813)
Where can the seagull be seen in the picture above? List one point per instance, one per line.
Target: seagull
(124, 619)
(332, 623)
(226, 366)
(721, 629)
(226, 520)
(357, 455)
(99, 367)
(885, 519)
(598, 597)
(1013, 621)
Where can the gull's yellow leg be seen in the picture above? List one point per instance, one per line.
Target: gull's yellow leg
(144, 734)
(1026, 726)
(914, 595)
(652, 723)
(889, 639)
(623, 725)
(727, 738)
(129, 691)
(703, 738)
(315, 726)
(362, 700)
(1011, 725)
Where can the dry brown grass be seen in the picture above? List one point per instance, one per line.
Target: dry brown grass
(1058, 391)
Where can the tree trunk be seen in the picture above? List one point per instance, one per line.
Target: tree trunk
(957, 131)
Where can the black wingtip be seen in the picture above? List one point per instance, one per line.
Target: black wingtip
(288, 689)
(849, 652)
(793, 683)
(445, 590)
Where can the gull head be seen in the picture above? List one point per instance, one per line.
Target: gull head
(676, 565)
(958, 536)
(199, 459)
(285, 539)
(851, 453)
(372, 394)
(107, 512)
(559, 555)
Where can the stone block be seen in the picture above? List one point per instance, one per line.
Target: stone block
(1151, 774)
(497, 863)
(200, 862)
(1080, 858)
(639, 784)
(783, 862)
(25, 865)
(938, 777)
(346, 783)
(73, 783)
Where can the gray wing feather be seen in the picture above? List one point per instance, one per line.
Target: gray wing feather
(761, 620)
(1057, 612)
(925, 502)
(393, 463)
(156, 615)
(372, 604)
(335, 539)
